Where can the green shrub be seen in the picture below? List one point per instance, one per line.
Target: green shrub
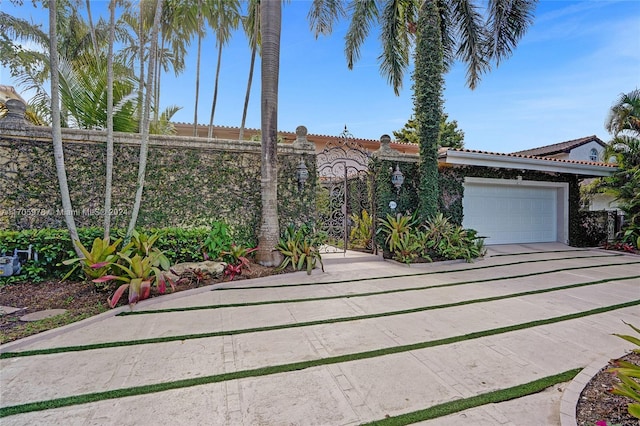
(54, 246)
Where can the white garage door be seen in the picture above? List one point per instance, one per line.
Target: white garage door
(508, 214)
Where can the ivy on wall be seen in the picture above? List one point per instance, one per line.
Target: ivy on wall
(184, 186)
(451, 185)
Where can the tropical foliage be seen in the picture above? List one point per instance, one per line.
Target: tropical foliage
(408, 240)
(629, 375)
(624, 124)
(439, 33)
(300, 248)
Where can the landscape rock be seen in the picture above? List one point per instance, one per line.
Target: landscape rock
(208, 267)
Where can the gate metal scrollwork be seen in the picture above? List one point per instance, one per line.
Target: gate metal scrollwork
(345, 188)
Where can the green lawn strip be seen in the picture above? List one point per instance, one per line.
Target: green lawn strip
(296, 366)
(352, 295)
(416, 274)
(493, 397)
(538, 252)
(105, 345)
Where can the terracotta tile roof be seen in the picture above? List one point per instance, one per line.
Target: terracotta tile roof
(562, 147)
(442, 153)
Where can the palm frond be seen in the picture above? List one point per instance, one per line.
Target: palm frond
(396, 40)
(363, 14)
(508, 22)
(472, 40)
(323, 14)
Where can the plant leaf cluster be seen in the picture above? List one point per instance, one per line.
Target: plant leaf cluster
(407, 239)
(301, 248)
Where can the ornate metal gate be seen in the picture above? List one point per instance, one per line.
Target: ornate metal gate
(345, 190)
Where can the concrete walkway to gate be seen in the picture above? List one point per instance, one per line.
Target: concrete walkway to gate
(300, 350)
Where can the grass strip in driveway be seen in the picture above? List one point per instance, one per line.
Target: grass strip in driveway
(493, 397)
(352, 295)
(296, 366)
(522, 253)
(415, 274)
(165, 339)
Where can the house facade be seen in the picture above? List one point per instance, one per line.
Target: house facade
(517, 198)
(589, 148)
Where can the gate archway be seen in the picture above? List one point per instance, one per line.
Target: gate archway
(344, 190)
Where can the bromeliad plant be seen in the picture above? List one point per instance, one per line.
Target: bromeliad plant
(629, 375)
(362, 230)
(237, 260)
(97, 262)
(138, 274)
(407, 240)
(301, 248)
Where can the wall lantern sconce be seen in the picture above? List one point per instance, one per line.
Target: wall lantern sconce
(302, 174)
(397, 178)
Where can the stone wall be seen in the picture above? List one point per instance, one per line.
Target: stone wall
(189, 181)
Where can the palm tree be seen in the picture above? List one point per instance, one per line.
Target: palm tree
(269, 234)
(144, 144)
(205, 10)
(625, 114)
(109, 159)
(58, 151)
(251, 26)
(177, 26)
(226, 19)
(455, 28)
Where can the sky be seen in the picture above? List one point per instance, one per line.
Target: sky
(559, 84)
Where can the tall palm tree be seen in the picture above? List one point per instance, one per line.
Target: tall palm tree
(251, 25)
(58, 150)
(109, 159)
(269, 233)
(176, 28)
(92, 29)
(625, 114)
(205, 11)
(464, 34)
(144, 144)
(226, 19)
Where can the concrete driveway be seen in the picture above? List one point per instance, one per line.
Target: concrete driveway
(366, 340)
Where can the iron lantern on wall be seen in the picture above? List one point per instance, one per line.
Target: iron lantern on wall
(397, 178)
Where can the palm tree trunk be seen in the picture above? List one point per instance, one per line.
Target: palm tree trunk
(144, 144)
(92, 29)
(109, 165)
(156, 91)
(270, 23)
(141, 88)
(248, 94)
(195, 109)
(215, 91)
(58, 151)
(428, 84)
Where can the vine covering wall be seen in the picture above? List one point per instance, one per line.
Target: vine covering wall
(451, 185)
(188, 182)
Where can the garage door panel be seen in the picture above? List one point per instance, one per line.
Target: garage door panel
(511, 214)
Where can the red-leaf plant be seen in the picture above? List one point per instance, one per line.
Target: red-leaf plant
(138, 275)
(237, 260)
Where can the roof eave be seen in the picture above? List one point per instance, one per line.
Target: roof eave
(538, 164)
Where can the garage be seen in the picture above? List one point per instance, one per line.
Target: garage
(512, 211)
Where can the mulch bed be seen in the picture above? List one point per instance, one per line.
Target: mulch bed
(596, 403)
